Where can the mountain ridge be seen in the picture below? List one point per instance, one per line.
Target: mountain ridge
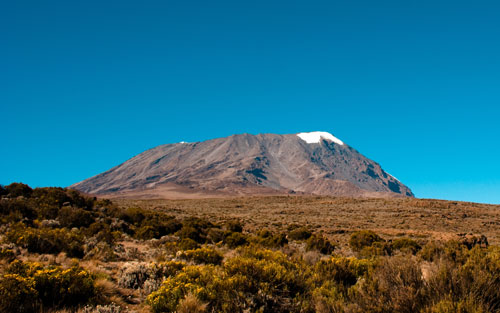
(246, 164)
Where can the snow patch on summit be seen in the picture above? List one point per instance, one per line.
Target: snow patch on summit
(315, 137)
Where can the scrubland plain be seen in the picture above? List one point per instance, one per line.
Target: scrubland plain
(62, 251)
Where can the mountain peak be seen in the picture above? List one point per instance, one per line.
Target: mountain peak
(315, 137)
(248, 164)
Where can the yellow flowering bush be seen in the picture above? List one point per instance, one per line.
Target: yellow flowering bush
(256, 279)
(31, 285)
(47, 240)
(18, 294)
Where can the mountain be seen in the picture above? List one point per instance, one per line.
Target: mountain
(304, 163)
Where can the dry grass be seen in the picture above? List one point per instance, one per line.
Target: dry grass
(337, 218)
(191, 304)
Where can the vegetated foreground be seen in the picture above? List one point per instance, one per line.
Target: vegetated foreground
(64, 252)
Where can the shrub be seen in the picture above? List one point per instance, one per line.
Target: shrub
(362, 239)
(215, 235)
(18, 189)
(47, 240)
(268, 239)
(133, 216)
(166, 269)
(15, 210)
(406, 245)
(160, 225)
(108, 308)
(319, 243)
(73, 217)
(64, 288)
(191, 304)
(187, 244)
(7, 254)
(147, 232)
(191, 233)
(193, 279)
(202, 256)
(197, 223)
(470, 286)
(234, 240)
(341, 270)
(396, 285)
(80, 201)
(133, 275)
(301, 233)
(102, 232)
(234, 226)
(18, 294)
(51, 196)
(378, 248)
(328, 298)
(50, 287)
(257, 280)
(272, 281)
(431, 251)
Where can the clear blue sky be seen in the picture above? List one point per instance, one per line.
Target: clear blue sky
(413, 85)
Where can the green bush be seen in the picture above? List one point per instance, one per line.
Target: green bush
(378, 248)
(301, 233)
(161, 224)
(396, 285)
(319, 243)
(133, 216)
(452, 250)
(103, 232)
(341, 270)
(215, 235)
(28, 286)
(47, 240)
(18, 190)
(362, 239)
(199, 224)
(431, 251)
(187, 244)
(51, 196)
(257, 280)
(202, 256)
(234, 226)
(14, 210)
(183, 244)
(18, 294)
(191, 233)
(74, 217)
(235, 240)
(166, 269)
(147, 232)
(268, 239)
(406, 245)
(7, 254)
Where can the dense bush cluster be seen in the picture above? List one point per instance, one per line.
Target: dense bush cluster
(150, 259)
(366, 243)
(28, 287)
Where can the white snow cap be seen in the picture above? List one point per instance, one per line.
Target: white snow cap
(315, 137)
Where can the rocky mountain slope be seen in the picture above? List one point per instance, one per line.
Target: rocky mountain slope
(305, 163)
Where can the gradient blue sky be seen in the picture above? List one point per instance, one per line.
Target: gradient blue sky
(413, 85)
